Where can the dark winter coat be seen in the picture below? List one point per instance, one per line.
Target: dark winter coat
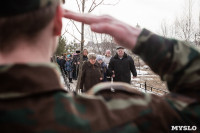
(62, 63)
(85, 58)
(122, 68)
(104, 70)
(76, 58)
(69, 66)
(58, 61)
(91, 75)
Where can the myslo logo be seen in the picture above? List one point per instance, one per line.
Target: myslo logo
(183, 128)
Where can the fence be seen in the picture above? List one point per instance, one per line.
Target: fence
(144, 86)
(154, 90)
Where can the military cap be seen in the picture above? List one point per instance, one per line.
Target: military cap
(16, 7)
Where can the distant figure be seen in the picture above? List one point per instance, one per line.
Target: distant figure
(76, 62)
(58, 60)
(69, 67)
(121, 66)
(62, 63)
(107, 61)
(33, 99)
(103, 68)
(85, 53)
(107, 57)
(91, 73)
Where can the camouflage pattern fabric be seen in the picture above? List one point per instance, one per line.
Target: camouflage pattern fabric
(33, 100)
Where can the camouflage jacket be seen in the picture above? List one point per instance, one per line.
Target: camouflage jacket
(33, 100)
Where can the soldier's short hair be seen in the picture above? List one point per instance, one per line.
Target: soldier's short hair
(24, 19)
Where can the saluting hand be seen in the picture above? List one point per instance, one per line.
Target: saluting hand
(124, 34)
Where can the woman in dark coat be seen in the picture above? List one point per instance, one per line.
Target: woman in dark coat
(103, 68)
(91, 73)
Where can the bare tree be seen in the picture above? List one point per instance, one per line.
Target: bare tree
(197, 34)
(100, 42)
(164, 28)
(184, 26)
(84, 6)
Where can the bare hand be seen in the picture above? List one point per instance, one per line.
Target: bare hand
(113, 73)
(124, 34)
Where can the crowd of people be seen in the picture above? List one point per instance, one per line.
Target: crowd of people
(69, 64)
(98, 68)
(33, 100)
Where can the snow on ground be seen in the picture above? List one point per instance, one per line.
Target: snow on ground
(141, 72)
(72, 86)
(152, 81)
(144, 76)
(135, 79)
(146, 91)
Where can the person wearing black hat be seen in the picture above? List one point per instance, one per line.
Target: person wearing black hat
(176, 62)
(33, 100)
(121, 66)
(76, 62)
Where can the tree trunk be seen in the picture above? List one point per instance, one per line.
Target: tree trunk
(81, 55)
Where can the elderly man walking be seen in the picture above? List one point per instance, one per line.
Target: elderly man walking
(121, 66)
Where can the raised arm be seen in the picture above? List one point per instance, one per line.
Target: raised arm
(124, 34)
(175, 61)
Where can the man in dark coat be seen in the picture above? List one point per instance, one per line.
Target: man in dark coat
(121, 65)
(62, 63)
(32, 99)
(76, 62)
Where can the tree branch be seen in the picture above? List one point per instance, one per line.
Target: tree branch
(78, 6)
(75, 26)
(66, 31)
(73, 36)
(93, 2)
(65, 28)
(95, 5)
(97, 43)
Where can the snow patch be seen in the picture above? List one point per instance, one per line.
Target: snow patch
(141, 72)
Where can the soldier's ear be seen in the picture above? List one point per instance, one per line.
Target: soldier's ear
(58, 21)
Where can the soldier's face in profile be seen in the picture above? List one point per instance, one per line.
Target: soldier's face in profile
(120, 52)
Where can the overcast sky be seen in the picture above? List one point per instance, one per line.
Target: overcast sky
(147, 13)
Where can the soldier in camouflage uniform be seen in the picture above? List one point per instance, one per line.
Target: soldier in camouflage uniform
(32, 98)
